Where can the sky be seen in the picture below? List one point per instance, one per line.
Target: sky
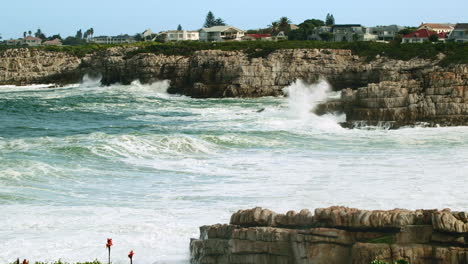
(112, 17)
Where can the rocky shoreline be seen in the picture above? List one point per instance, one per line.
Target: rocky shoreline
(398, 93)
(335, 235)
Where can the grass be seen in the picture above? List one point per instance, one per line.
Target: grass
(456, 53)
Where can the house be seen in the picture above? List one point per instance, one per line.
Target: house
(13, 42)
(322, 33)
(280, 36)
(422, 35)
(179, 35)
(31, 41)
(352, 32)
(264, 37)
(221, 33)
(148, 35)
(112, 40)
(439, 28)
(386, 33)
(54, 42)
(459, 33)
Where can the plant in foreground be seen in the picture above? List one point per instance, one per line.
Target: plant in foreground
(108, 246)
(400, 261)
(130, 256)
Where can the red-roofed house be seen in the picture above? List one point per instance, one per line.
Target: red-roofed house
(31, 41)
(257, 37)
(439, 28)
(421, 36)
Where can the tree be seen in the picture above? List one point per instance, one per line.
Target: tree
(305, 29)
(210, 20)
(39, 34)
(326, 36)
(274, 27)
(179, 27)
(329, 20)
(29, 33)
(91, 31)
(24, 34)
(56, 36)
(72, 41)
(79, 34)
(219, 22)
(433, 38)
(284, 24)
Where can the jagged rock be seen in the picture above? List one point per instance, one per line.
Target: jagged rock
(384, 91)
(254, 217)
(353, 236)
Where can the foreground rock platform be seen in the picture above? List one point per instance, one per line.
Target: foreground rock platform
(335, 235)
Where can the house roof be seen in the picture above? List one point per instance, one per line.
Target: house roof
(220, 29)
(435, 25)
(424, 33)
(462, 26)
(32, 38)
(257, 36)
(54, 41)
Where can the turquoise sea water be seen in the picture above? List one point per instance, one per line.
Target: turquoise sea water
(84, 163)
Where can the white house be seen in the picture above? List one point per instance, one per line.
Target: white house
(31, 41)
(221, 33)
(112, 40)
(460, 33)
(439, 28)
(179, 35)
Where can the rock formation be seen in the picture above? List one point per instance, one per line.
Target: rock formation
(335, 235)
(394, 92)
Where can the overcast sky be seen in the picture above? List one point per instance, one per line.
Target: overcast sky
(111, 17)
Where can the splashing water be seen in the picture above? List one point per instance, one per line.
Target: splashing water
(82, 163)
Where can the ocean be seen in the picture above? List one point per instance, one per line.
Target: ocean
(83, 163)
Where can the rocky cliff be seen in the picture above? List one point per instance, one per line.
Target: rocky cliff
(383, 90)
(335, 235)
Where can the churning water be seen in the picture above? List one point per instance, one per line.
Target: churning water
(84, 163)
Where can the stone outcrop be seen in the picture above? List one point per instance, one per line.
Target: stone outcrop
(335, 235)
(31, 66)
(393, 92)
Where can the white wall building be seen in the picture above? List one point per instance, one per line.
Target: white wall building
(112, 40)
(179, 35)
(221, 33)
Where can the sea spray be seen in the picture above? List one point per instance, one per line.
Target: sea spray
(303, 99)
(131, 162)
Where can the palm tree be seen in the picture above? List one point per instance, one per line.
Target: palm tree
(284, 24)
(24, 34)
(274, 27)
(29, 32)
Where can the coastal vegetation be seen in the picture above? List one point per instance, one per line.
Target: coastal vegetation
(455, 53)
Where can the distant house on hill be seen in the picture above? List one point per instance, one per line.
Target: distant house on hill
(148, 35)
(112, 40)
(13, 42)
(31, 41)
(221, 33)
(460, 33)
(179, 35)
(386, 33)
(439, 28)
(322, 33)
(422, 35)
(263, 37)
(54, 42)
(352, 32)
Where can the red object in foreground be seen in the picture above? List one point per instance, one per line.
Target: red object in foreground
(25, 262)
(130, 255)
(109, 243)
